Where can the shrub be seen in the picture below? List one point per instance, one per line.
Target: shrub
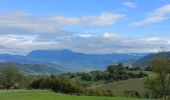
(131, 93)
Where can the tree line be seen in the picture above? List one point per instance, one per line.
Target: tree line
(11, 78)
(113, 72)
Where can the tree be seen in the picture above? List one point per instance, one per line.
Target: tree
(161, 66)
(154, 86)
(118, 72)
(59, 84)
(116, 69)
(10, 77)
(86, 76)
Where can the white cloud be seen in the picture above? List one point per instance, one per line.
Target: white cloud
(156, 16)
(85, 43)
(109, 36)
(104, 19)
(129, 4)
(86, 35)
(51, 24)
(15, 45)
(162, 11)
(24, 32)
(153, 19)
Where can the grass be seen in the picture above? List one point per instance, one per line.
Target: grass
(131, 84)
(149, 73)
(121, 86)
(30, 95)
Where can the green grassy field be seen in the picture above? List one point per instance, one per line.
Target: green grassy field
(121, 86)
(131, 84)
(54, 96)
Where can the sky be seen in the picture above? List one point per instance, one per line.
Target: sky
(86, 26)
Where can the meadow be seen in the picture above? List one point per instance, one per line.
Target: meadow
(45, 95)
(131, 84)
(120, 86)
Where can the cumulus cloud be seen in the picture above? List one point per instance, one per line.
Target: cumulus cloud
(104, 19)
(51, 24)
(105, 43)
(129, 4)
(15, 45)
(24, 32)
(86, 35)
(109, 36)
(156, 16)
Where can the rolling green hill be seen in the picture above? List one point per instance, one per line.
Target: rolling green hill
(120, 86)
(31, 69)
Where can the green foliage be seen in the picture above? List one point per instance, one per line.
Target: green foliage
(71, 83)
(87, 76)
(112, 73)
(10, 77)
(161, 85)
(154, 85)
(131, 93)
(160, 65)
(57, 84)
(116, 69)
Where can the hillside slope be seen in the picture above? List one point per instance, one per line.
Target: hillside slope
(144, 62)
(120, 86)
(29, 69)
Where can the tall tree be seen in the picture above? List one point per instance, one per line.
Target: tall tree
(9, 77)
(161, 66)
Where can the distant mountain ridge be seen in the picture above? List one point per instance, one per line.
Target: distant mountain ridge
(69, 61)
(67, 55)
(144, 62)
(30, 69)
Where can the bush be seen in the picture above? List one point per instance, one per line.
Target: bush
(131, 93)
(100, 92)
(146, 95)
(168, 97)
(57, 84)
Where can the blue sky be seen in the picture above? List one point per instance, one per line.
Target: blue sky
(120, 26)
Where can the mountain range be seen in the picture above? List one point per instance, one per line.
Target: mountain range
(144, 62)
(30, 69)
(60, 61)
